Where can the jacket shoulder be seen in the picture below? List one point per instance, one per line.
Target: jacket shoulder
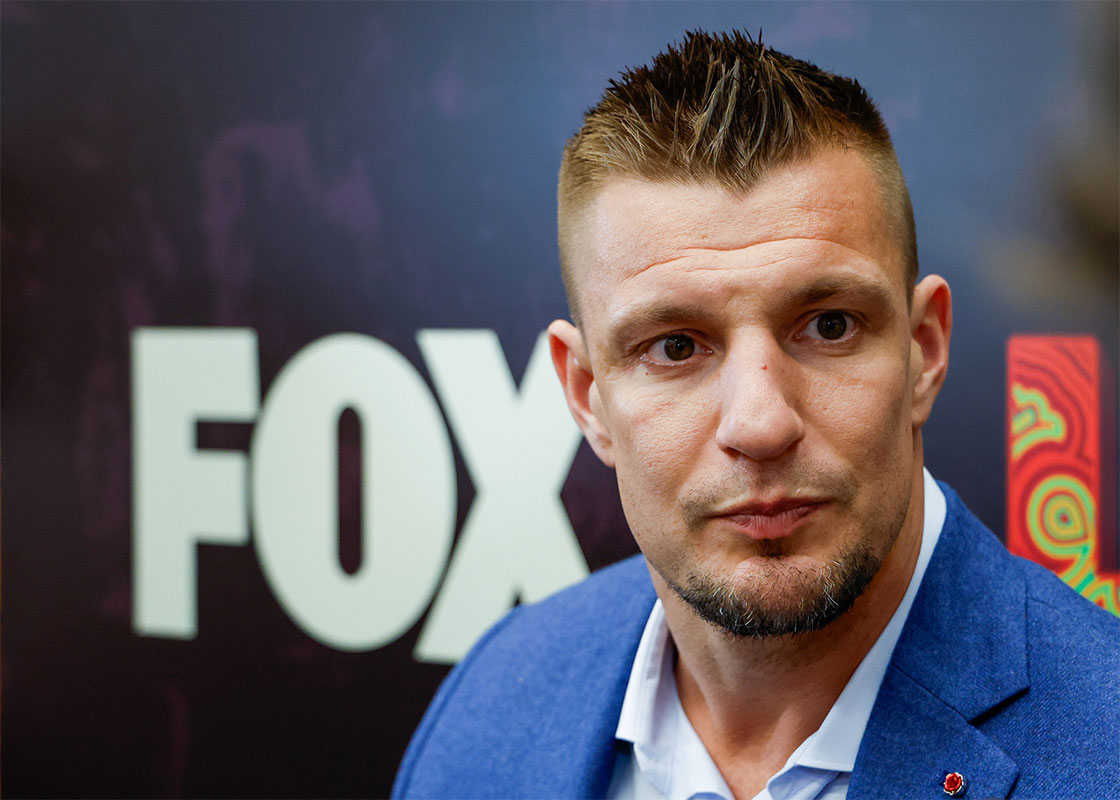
(1066, 727)
(531, 710)
(1067, 609)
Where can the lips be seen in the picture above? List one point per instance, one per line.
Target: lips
(774, 520)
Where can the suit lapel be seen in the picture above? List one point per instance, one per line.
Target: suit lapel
(914, 740)
(962, 653)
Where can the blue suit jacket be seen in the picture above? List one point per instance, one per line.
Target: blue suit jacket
(1002, 673)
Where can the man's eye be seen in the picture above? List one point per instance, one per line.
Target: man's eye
(677, 347)
(830, 326)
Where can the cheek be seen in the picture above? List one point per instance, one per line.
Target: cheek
(863, 413)
(657, 440)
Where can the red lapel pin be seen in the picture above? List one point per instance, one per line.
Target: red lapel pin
(955, 784)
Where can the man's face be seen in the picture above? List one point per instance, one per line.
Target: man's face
(755, 377)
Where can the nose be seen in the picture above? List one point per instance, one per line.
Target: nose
(759, 417)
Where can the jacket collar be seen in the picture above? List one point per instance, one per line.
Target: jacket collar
(962, 653)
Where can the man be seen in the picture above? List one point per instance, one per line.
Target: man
(812, 615)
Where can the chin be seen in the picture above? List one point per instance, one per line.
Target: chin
(786, 596)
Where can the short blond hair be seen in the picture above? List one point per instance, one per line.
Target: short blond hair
(727, 109)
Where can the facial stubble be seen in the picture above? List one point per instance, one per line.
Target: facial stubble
(824, 595)
(789, 597)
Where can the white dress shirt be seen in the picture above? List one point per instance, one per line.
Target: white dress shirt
(666, 758)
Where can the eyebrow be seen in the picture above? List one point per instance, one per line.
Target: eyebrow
(631, 323)
(847, 285)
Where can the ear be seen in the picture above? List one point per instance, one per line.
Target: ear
(569, 357)
(931, 325)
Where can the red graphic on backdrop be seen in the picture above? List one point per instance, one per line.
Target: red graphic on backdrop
(1055, 464)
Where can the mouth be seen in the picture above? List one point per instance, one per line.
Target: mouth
(775, 520)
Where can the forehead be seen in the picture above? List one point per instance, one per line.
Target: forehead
(825, 213)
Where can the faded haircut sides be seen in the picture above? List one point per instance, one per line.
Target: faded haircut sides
(724, 109)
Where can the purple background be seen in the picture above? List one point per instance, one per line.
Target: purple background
(304, 170)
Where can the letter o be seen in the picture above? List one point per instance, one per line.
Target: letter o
(408, 491)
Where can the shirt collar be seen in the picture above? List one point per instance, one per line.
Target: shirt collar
(650, 718)
(667, 750)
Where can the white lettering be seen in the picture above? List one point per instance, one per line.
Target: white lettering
(517, 541)
(516, 544)
(408, 491)
(182, 496)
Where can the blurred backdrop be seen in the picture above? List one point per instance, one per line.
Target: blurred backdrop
(277, 438)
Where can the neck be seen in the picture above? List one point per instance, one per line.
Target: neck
(753, 701)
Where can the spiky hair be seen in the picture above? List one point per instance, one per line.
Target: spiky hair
(727, 109)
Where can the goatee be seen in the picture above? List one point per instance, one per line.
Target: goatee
(822, 598)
